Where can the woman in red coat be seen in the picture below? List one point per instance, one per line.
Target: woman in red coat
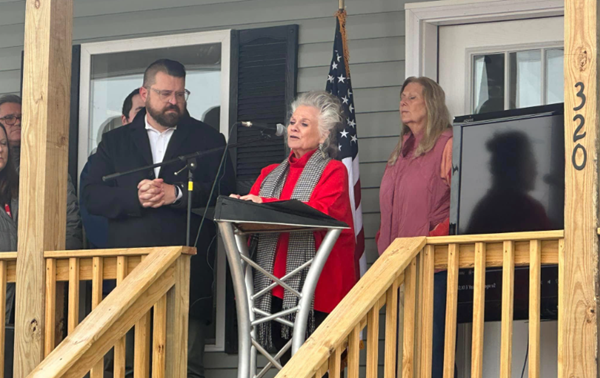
(311, 175)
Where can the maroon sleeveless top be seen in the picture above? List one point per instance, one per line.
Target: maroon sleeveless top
(413, 197)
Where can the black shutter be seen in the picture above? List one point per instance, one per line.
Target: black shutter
(263, 85)
(74, 119)
(264, 66)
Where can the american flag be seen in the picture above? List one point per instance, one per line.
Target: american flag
(338, 84)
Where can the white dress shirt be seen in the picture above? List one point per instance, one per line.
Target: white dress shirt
(159, 141)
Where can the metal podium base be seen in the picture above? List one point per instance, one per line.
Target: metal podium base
(242, 266)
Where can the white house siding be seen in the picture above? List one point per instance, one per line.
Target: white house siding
(375, 30)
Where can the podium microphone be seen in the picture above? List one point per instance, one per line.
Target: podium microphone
(277, 130)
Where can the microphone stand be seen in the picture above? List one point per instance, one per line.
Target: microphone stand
(169, 162)
(191, 164)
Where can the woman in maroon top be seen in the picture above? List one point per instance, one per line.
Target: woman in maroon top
(414, 196)
(312, 176)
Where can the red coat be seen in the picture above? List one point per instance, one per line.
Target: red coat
(331, 197)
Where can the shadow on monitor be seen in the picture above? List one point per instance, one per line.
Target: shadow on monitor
(508, 176)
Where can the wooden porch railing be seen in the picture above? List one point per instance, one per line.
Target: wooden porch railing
(409, 265)
(146, 278)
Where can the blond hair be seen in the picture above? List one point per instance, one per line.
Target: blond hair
(438, 117)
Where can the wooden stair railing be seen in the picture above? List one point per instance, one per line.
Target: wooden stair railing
(341, 329)
(401, 281)
(96, 266)
(146, 277)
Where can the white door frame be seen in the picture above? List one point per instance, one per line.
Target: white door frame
(423, 19)
(421, 43)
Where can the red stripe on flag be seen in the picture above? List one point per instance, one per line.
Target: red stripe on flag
(358, 251)
(357, 196)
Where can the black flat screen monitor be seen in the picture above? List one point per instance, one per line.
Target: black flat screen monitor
(508, 176)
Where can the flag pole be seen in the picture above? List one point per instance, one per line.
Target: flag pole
(341, 16)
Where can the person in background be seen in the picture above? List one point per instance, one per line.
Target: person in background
(96, 226)
(9, 200)
(212, 117)
(148, 208)
(10, 117)
(414, 196)
(131, 106)
(310, 175)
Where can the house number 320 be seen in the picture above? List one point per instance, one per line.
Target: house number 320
(579, 133)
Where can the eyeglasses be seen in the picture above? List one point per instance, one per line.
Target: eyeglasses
(166, 95)
(11, 119)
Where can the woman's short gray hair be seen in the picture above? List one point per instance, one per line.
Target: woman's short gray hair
(330, 115)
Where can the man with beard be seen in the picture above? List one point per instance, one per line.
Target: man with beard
(148, 208)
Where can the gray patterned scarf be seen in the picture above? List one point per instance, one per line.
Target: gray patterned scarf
(301, 246)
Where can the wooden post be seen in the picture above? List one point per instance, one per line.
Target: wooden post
(44, 149)
(578, 341)
(177, 320)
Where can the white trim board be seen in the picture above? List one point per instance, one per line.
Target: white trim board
(423, 19)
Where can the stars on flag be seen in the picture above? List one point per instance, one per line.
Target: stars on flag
(339, 84)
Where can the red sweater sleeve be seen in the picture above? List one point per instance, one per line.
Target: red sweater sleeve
(330, 195)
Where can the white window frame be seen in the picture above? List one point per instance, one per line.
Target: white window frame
(149, 43)
(423, 19)
(506, 50)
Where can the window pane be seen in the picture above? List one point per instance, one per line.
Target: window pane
(488, 83)
(525, 79)
(554, 76)
(115, 75)
(107, 96)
